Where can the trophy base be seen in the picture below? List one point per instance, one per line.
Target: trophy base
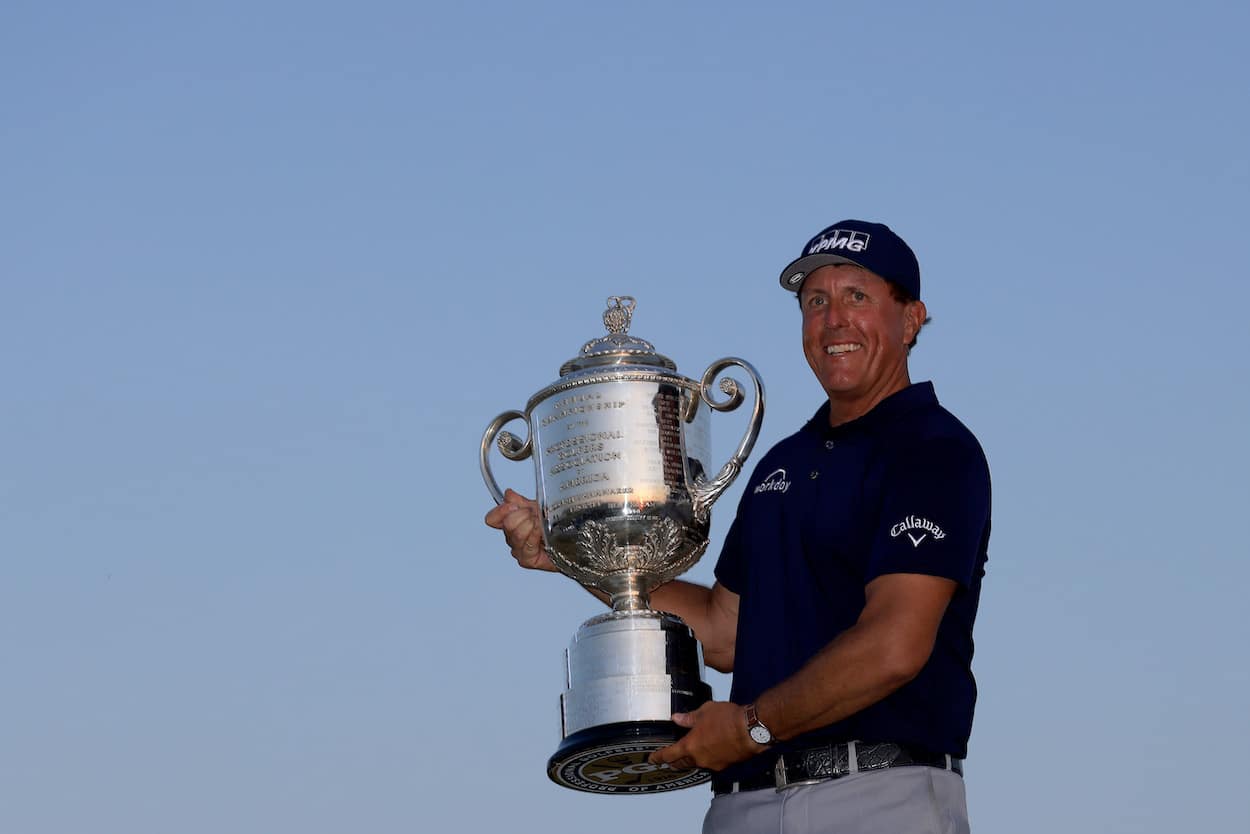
(612, 758)
(628, 672)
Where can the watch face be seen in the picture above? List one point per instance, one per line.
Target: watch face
(760, 734)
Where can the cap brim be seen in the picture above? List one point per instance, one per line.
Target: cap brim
(792, 276)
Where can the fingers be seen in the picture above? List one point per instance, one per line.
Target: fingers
(521, 529)
(494, 518)
(670, 755)
(677, 752)
(716, 738)
(674, 757)
(512, 501)
(525, 537)
(511, 496)
(518, 518)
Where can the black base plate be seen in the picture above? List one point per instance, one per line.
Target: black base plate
(612, 758)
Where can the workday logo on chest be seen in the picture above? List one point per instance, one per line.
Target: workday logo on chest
(775, 482)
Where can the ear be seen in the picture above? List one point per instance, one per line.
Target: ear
(914, 315)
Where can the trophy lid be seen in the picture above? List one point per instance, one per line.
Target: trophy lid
(618, 347)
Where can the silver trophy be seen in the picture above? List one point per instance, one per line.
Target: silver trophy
(621, 452)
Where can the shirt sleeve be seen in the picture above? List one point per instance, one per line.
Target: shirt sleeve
(730, 570)
(934, 512)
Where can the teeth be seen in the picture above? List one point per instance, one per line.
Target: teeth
(836, 349)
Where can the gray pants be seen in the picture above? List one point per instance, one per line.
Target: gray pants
(900, 800)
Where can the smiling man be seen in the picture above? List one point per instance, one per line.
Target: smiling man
(848, 584)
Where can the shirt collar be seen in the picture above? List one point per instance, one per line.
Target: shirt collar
(914, 396)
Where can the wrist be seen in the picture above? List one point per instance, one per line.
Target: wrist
(757, 731)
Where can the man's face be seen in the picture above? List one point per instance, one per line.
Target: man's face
(855, 336)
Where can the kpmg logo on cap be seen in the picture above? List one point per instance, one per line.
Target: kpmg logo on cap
(839, 239)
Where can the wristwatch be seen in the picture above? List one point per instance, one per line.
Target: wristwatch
(756, 729)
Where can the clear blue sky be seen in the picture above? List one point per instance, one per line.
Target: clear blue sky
(268, 269)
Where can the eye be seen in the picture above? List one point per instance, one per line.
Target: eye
(859, 295)
(815, 301)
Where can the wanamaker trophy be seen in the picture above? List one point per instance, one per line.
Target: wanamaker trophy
(620, 445)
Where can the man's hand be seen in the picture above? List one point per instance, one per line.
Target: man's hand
(717, 738)
(518, 518)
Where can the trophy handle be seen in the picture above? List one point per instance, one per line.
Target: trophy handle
(705, 491)
(509, 444)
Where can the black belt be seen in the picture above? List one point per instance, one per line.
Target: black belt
(831, 761)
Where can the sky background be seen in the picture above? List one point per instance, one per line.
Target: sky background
(268, 269)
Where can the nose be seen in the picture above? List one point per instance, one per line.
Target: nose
(834, 315)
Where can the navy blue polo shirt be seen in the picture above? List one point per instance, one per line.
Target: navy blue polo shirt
(903, 489)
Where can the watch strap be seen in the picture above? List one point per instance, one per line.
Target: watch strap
(753, 722)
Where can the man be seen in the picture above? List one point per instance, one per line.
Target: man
(848, 583)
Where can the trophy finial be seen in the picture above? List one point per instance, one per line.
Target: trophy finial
(619, 314)
(617, 347)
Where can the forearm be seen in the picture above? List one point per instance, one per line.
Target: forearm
(844, 677)
(887, 647)
(711, 614)
(851, 673)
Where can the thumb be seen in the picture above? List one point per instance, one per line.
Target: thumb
(511, 496)
(683, 719)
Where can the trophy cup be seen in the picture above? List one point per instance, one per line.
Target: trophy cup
(621, 452)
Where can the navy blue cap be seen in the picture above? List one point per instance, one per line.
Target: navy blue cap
(872, 246)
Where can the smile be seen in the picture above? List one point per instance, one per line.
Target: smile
(834, 350)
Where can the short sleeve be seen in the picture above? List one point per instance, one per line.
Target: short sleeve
(935, 510)
(730, 569)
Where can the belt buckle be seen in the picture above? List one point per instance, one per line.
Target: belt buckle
(779, 777)
(779, 774)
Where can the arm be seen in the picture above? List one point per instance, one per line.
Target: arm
(907, 589)
(886, 648)
(712, 613)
